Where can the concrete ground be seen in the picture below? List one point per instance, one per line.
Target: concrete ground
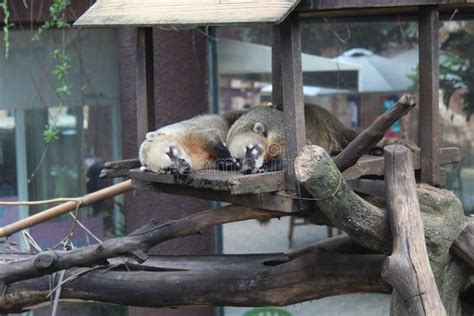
(251, 237)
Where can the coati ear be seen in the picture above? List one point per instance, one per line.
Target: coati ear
(259, 128)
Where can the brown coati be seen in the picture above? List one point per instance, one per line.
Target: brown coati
(194, 144)
(257, 141)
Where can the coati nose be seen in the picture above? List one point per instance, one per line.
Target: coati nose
(183, 167)
(246, 170)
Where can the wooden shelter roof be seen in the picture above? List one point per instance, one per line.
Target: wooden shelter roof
(185, 12)
(228, 12)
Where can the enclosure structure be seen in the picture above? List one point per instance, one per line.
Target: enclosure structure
(259, 190)
(326, 268)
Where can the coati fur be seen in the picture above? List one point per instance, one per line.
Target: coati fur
(194, 144)
(257, 141)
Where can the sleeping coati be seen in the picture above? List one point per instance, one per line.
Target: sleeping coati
(256, 140)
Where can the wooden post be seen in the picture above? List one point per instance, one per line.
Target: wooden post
(293, 98)
(408, 269)
(145, 83)
(277, 97)
(429, 138)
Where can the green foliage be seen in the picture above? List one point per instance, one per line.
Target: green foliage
(6, 26)
(58, 21)
(50, 134)
(61, 65)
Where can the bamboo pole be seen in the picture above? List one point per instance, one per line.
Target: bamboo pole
(61, 209)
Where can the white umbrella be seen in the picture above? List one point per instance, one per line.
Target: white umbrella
(239, 59)
(378, 74)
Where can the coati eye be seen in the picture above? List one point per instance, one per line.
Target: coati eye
(236, 161)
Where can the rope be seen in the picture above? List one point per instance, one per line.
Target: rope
(295, 197)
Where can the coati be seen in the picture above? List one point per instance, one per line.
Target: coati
(194, 144)
(256, 141)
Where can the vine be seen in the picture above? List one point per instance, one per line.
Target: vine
(61, 63)
(6, 26)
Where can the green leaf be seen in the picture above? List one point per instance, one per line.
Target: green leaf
(50, 134)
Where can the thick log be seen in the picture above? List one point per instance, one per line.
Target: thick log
(463, 245)
(407, 269)
(135, 245)
(235, 280)
(369, 137)
(364, 222)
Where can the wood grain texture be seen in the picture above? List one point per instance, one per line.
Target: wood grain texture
(233, 182)
(374, 165)
(135, 245)
(145, 83)
(364, 222)
(463, 245)
(369, 137)
(429, 124)
(119, 168)
(408, 269)
(232, 280)
(185, 12)
(293, 96)
(322, 5)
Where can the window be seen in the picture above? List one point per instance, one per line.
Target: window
(89, 127)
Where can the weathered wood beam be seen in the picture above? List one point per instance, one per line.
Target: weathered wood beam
(463, 245)
(119, 168)
(429, 125)
(234, 280)
(369, 137)
(145, 83)
(277, 94)
(374, 165)
(293, 97)
(135, 245)
(408, 269)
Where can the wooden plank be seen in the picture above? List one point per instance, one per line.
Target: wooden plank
(276, 201)
(185, 12)
(322, 5)
(145, 84)
(233, 182)
(429, 129)
(293, 97)
(119, 168)
(277, 94)
(374, 165)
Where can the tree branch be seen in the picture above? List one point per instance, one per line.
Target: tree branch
(407, 269)
(369, 137)
(233, 280)
(136, 244)
(364, 222)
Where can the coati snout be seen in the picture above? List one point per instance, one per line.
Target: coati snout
(257, 141)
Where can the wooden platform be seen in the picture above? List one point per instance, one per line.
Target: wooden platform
(265, 190)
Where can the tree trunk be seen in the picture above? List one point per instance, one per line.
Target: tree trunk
(324, 269)
(407, 269)
(441, 211)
